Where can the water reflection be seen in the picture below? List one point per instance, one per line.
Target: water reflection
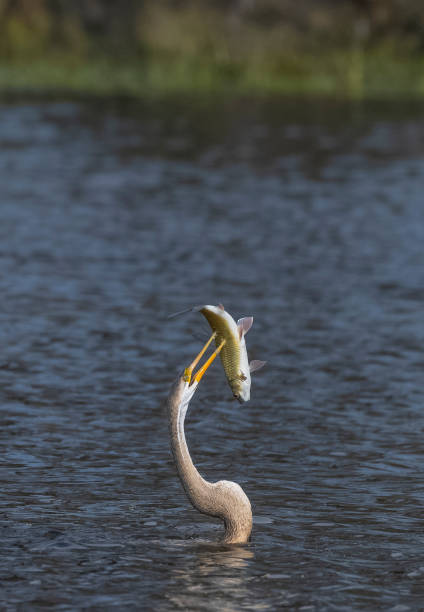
(220, 571)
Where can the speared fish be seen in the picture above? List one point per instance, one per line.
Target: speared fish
(233, 352)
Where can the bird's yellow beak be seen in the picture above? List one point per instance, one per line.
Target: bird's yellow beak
(188, 375)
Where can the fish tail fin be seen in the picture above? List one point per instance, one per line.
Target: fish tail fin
(244, 325)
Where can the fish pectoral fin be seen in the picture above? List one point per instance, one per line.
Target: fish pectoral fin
(256, 364)
(244, 325)
(242, 376)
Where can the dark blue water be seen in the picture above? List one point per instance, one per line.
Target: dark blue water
(309, 217)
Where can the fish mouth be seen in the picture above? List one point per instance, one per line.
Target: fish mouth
(239, 398)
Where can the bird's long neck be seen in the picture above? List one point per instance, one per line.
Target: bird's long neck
(198, 490)
(225, 500)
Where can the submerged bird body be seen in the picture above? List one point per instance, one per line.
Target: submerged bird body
(224, 499)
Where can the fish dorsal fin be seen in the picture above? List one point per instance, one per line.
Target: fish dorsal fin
(256, 364)
(244, 325)
(221, 306)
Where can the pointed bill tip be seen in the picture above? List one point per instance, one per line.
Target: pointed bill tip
(185, 311)
(177, 314)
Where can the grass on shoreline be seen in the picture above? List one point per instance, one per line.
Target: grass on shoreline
(350, 75)
(198, 52)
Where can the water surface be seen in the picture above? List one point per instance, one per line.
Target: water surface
(307, 216)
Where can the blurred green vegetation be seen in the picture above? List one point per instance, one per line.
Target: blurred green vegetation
(348, 48)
